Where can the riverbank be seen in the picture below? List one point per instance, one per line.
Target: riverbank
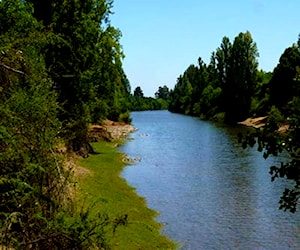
(257, 122)
(212, 193)
(99, 183)
(109, 131)
(260, 122)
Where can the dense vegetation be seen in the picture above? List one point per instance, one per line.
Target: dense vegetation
(229, 78)
(231, 88)
(60, 69)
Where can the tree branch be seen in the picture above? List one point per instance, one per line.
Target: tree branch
(11, 69)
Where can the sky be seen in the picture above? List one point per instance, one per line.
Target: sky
(161, 38)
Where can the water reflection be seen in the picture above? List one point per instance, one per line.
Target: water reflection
(211, 193)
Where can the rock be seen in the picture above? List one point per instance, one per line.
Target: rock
(131, 160)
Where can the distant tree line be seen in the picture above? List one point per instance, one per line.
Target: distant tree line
(138, 102)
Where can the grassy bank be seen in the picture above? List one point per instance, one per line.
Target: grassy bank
(99, 182)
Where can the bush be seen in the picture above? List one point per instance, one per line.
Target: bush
(125, 117)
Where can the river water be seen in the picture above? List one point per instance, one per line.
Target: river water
(210, 193)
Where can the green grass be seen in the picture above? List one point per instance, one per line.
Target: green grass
(114, 197)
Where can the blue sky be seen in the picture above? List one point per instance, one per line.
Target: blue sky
(161, 38)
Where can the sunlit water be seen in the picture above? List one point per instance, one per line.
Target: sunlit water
(210, 193)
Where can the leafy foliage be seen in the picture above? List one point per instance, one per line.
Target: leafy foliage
(32, 179)
(283, 116)
(226, 85)
(138, 102)
(271, 141)
(231, 88)
(282, 85)
(138, 92)
(241, 78)
(163, 92)
(60, 68)
(83, 58)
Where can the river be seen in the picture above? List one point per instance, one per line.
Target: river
(210, 193)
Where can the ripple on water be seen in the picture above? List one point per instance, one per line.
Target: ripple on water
(211, 194)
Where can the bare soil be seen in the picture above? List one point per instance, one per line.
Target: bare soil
(257, 122)
(260, 122)
(109, 131)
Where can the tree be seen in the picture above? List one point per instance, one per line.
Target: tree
(138, 92)
(270, 140)
(138, 102)
(231, 87)
(241, 78)
(162, 92)
(43, 94)
(260, 104)
(209, 101)
(187, 91)
(228, 83)
(175, 96)
(222, 57)
(31, 176)
(83, 57)
(222, 65)
(282, 84)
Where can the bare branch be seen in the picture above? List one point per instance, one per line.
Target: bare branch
(11, 69)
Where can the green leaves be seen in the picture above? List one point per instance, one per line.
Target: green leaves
(16, 18)
(60, 67)
(163, 92)
(240, 78)
(138, 92)
(232, 85)
(284, 84)
(83, 57)
(281, 134)
(226, 85)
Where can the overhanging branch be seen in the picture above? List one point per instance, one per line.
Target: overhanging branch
(11, 69)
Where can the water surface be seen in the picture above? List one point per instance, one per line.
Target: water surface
(210, 193)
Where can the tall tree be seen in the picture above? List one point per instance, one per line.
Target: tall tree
(284, 93)
(176, 95)
(241, 78)
(83, 58)
(283, 85)
(35, 74)
(162, 92)
(31, 176)
(138, 92)
(222, 56)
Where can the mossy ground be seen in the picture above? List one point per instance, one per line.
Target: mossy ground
(114, 197)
